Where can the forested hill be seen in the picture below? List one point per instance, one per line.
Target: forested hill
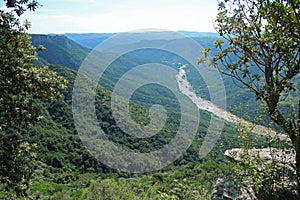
(236, 95)
(60, 50)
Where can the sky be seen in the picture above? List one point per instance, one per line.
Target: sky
(108, 16)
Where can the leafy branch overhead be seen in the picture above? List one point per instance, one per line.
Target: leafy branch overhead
(21, 82)
(22, 5)
(259, 47)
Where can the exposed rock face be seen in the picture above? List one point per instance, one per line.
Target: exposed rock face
(266, 155)
(227, 188)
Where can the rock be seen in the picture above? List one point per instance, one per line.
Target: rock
(228, 188)
(266, 155)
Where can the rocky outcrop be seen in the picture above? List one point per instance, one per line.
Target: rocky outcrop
(285, 157)
(229, 187)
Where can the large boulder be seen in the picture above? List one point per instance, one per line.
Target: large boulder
(228, 188)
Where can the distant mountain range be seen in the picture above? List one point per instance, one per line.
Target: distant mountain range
(91, 40)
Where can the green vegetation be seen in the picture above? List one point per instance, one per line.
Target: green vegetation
(40, 144)
(60, 50)
(22, 84)
(64, 168)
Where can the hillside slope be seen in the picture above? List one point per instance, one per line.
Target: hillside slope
(60, 50)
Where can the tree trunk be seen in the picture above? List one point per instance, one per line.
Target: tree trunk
(298, 164)
(298, 151)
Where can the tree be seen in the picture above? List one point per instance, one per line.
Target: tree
(22, 83)
(260, 47)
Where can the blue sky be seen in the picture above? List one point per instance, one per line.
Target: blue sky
(99, 16)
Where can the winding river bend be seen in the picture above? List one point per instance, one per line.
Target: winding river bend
(203, 104)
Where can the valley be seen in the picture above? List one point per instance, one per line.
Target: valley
(60, 147)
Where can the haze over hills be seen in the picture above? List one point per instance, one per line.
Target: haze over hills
(91, 40)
